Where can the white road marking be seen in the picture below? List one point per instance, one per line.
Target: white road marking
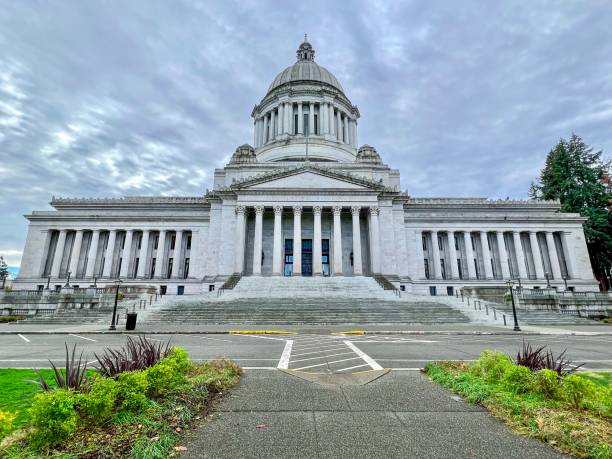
(406, 369)
(318, 352)
(259, 336)
(305, 348)
(206, 337)
(259, 368)
(321, 357)
(352, 368)
(366, 358)
(325, 363)
(283, 363)
(82, 337)
(403, 341)
(23, 338)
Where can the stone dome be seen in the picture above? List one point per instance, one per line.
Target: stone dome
(305, 69)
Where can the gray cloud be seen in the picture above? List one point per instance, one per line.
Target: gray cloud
(147, 97)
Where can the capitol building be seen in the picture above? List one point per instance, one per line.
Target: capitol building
(305, 199)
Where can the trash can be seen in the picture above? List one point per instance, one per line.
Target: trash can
(130, 321)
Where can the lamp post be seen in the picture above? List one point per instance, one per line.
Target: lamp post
(48, 281)
(68, 280)
(516, 325)
(95, 282)
(113, 322)
(547, 279)
(565, 281)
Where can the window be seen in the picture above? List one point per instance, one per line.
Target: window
(119, 266)
(169, 271)
(488, 241)
(432, 290)
(172, 242)
(123, 242)
(316, 124)
(40, 288)
(459, 268)
(440, 243)
(403, 288)
(211, 288)
(180, 290)
(156, 242)
(424, 242)
(449, 291)
(58, 288)
(306, 124)
(163, 289)
(295, 124)
(477, 268)
(152, 272)
(188, 242)
(472, 239)
(443, 269)
(139, 241)
(186, 269)
(426, 266)
(102, 263)
(136, 267)
(493, 269)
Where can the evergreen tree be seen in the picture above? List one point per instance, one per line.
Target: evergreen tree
(580, 179)
(3, 271)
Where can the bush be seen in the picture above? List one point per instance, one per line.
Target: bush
(72, 377)
(6, 423)
(492, 366)
(53, 417)
(135, 355)
(163, 378)
(96, 405)
(546, 383)
(518, 379)
(538, 359)
(131, 391)
(178, 358)
(216, 375)
(576, 390)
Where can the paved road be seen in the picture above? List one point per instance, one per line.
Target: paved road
(313, 352)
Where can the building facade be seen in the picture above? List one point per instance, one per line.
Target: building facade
(305, 200)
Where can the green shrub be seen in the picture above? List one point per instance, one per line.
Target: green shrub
(132, 391)
(492, 365)
(178, 359)
(217, 375)
(6, 423)
(546, 383)
(163, 378)
(518, 379)
(576, 390)
(97, 405)
(53, 417)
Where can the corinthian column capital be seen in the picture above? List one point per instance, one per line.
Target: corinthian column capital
(317, 210)
(240, 210)
(259, 210)
(355, 210)
(297, 210)
(374, 211)
(278, 210)
(337, 210)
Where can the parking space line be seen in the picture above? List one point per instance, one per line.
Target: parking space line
(352, 368)
(82, 337)
(206, 337)
(23, 338)
(321, 357)
(318, 352)
(283, 363)
(326, 363)
(260, 337)
(366, 358)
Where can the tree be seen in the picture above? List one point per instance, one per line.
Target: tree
(580, 179)
(3, 271)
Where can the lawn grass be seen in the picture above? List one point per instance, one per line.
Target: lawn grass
(16, 393)
(577, 431)
(601, 378)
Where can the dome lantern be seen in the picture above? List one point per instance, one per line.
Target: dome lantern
(305, 52)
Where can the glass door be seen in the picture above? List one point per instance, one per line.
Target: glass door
(306, 257)
(325, 256)
(288, 269)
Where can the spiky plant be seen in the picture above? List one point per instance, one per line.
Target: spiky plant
(135, 355)
(72, 377)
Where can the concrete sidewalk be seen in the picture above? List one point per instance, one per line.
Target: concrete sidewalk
(275, 415)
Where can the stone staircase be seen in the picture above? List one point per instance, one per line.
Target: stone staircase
(78, 316)
(543, 317)
(304, 301)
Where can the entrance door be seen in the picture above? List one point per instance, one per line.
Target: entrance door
(288, 266)
(325, 256)
(306, 257)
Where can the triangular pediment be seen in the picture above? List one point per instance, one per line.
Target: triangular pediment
(307, 177)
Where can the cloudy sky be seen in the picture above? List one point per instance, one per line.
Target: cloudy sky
(111, 98)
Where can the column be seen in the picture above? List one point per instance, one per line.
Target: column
(420, 254)
(317, 249)
(143, 255)
(332, 121)
(93, 251)
(357, 268)
(452, 254)
(259, 131)
(59, 252)
(297, 240)
(311, 121)
(503, 255)
(552, 253)
(355, 142)
(486, 255)
(288, 114)
(537, 256)
(280, 119)
(257, 243)
(520, 254)
(272, 124)
(176, 262)
(127, 250)
(469, 254)
(265, 136)
(255, 133)
(277, 254)
(435, 268)
(337, 210)
(76, 252)
(240, 238)
(159, 255)
(110, 251)
(300, 119)
(339, 125)
(347, 139)
(375, 242)
(324, 115)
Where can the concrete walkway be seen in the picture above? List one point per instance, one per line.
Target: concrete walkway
(402, 414)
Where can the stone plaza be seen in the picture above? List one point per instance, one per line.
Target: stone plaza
(305, 200)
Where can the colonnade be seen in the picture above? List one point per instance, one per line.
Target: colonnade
(277, 255)
(123, 253)
(494, 255)
(324, 119)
